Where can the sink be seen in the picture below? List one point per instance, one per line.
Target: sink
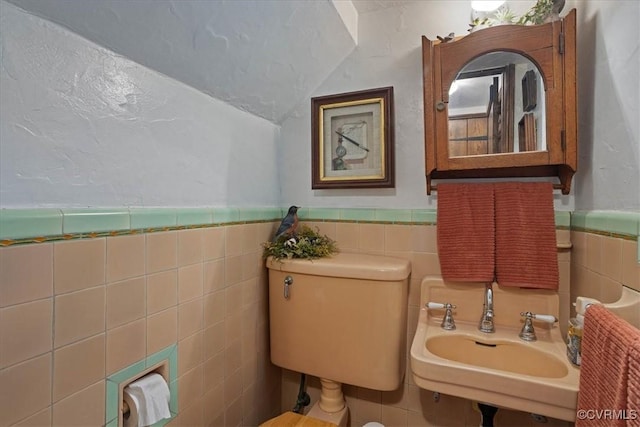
(516, 357)
(499, 368)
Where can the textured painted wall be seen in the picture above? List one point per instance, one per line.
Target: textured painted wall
(78, 121)
(389, 54)
(608, 175)
(82, 126)
(261, 56)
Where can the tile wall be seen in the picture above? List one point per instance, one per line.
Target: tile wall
(73, 312)
(601, 264)
(81, 302)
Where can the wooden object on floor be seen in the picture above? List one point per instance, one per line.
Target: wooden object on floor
(291, 419)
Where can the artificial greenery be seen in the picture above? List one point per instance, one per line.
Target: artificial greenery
(504, 15)
(305, 244)
(538, 14)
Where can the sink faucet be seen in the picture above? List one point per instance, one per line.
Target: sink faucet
(486, 321)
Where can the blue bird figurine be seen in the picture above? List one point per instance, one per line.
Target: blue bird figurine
(289, 223)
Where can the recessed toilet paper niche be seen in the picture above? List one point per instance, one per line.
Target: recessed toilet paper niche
(165, 360)
(127, 410)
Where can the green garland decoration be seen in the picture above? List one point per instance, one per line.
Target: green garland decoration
(306, 244)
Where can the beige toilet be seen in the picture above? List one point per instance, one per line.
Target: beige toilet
(342, 319)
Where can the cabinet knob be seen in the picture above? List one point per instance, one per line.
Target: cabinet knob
(440, 106)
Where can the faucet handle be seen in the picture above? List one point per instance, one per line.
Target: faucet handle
(528, 333)
(437, 305)
(447, 321)
(542, 317)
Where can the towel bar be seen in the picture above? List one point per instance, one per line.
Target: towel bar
(434, 187)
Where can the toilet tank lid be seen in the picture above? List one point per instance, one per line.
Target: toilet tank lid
(349, 265)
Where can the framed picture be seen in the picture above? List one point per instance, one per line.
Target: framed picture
(352, 140)
(527, 139)
(529, 91)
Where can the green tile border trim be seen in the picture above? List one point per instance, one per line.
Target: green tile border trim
(113, 383)
(620, 224)
(20, 223)
(23, 226)
(142, 218)
(394, 216)
(369, 215)
(563, 219)
(76, 221)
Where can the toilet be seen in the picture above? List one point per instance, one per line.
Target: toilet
(342, 319)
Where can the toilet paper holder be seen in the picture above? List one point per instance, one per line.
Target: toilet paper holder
(161, 368)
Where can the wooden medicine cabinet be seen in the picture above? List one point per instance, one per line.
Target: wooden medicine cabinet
(501, 102)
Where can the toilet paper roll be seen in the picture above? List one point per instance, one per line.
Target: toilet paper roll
(148, 400)
(130, 419)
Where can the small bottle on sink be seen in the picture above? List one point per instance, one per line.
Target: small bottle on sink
(574, 339)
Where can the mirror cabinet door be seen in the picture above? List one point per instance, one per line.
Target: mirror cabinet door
(488, 68)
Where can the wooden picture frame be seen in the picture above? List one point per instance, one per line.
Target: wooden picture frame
(527, 139)
(529, 91)
(352, 140)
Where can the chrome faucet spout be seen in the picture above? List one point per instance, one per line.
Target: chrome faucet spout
(486, 321)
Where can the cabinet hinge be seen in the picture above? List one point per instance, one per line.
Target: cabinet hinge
(561, 43)
(563, 140)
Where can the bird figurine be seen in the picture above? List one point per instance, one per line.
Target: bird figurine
(557, 7)
(446, 38)
(289, 223)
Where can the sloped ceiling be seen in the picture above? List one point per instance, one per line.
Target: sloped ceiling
(261, 56)
(364, 6)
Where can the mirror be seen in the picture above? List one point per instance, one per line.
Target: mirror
(500, 102)
(496, 105)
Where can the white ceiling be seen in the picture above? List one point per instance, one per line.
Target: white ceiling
(364, 6)
(261, 56)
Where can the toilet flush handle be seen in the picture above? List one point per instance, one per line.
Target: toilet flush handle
(288, 281)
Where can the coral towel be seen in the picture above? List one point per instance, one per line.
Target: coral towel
(466, 232)
(609, 388)
(526, 252)
(633, 382)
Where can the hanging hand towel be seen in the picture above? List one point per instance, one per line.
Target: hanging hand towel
(605, 377)
(633, 382)
(526, 252)
(466, 232)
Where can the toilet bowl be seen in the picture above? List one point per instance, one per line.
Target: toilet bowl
(341, 319)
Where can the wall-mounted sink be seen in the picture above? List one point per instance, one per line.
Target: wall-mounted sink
(498, 368)
(516, 357)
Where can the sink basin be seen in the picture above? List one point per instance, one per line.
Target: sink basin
(498, 368)
(503, 355)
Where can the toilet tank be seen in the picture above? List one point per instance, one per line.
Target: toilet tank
(344, 318)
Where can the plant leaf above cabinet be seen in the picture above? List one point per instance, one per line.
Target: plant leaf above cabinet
(501, 102)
